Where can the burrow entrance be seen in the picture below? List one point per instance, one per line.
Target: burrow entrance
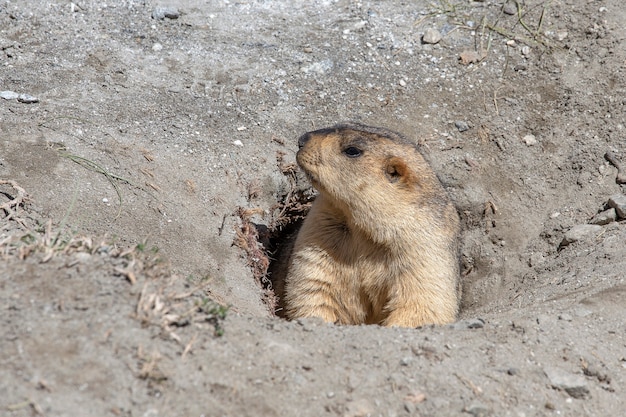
(267, 246)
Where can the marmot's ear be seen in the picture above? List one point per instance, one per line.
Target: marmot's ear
(397, 170)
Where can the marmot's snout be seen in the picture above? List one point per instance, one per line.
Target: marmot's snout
(303, 140)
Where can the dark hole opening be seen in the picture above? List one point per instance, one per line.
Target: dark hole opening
(268, 246)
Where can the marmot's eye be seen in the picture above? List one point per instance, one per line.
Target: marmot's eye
(352, 152)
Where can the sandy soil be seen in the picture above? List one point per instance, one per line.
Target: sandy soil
(138, 140)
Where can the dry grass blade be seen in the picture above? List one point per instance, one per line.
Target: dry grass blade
(86, 163)
(11, 207)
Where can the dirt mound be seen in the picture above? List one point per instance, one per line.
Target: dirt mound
(134, 132)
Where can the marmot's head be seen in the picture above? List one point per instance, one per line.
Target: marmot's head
(372, 174)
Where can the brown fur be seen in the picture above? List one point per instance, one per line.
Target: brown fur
(380, 244)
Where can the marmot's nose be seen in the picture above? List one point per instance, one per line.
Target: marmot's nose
(304, 139)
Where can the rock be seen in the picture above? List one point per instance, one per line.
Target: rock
(530, 140)
(478, 410)
(431, 36)
(510, 8)
(580, 232)
(468, 324)
(27, 99)
(565, 317)
(512, 371)
(9, 95)
(618, 202)
(160, 13)
(605, 217)
(359, 408)
(470, 57)
(574, 385)
(461, 125)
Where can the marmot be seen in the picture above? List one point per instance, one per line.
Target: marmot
(380, 244)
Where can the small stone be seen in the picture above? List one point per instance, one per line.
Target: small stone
(105, 200)
(160, 13)
(27, 99)
(574, 385)
(468, 324)
(478, 410)
(525, 50)
(431, 36)
(512, 371)
(530, 140)
(475, 323)
(238, 143)
(9, 95)
(461, 125)
(470, 57)
(565, 317)
(241, 128)
(405, 361)
(402, 83)
(510, 8)
(562, 35)
(618, 202)
(157, 47)
(536, 259)
(579, 232)
(605, 217)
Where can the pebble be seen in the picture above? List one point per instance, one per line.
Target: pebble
(238, 143)
(579, 232)
(605, 217)
(525, 50)
(618, 202)
(530, 140)
(574, 385)
(461, 125)
(405, 361)
(561, 35)
(478, 410)
(160, 13)
(565, 317)
(431, 36)
(27, 99)
(22, 98)
(9, 95)
(510, 8)
(476, 323)
(535, 259)
(157, 47)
